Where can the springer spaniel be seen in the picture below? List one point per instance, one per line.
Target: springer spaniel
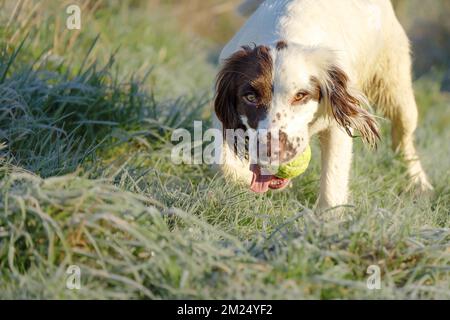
(304, 67)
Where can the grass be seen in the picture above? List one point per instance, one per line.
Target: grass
(86, 179)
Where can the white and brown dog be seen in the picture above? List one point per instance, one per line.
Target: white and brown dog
(306, 67)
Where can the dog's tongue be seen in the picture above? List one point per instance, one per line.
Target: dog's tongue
(260, 182)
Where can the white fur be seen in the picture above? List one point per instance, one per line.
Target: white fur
(365, 39)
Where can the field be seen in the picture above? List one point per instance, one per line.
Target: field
(86, 177)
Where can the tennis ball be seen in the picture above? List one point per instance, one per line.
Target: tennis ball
(296, 167)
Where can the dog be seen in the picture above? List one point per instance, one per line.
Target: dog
(315, 67)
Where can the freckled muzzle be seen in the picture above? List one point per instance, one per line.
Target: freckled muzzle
(277, 176)
(276, 149)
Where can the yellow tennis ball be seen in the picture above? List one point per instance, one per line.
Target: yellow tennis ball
(296, 167)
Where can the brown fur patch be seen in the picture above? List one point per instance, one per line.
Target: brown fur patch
(248, 71)
(281, 45)
(346, 108)
(316, 93)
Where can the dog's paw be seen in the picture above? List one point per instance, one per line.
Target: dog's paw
(420, 185)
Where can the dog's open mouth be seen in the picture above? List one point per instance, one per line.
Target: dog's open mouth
(261, 183)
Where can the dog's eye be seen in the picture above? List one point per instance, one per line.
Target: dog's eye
(251, 98)
(299, 96)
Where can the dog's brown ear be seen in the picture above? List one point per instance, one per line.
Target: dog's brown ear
(346, 107)
(225, 100)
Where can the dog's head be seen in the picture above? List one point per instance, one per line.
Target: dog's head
(283, 89)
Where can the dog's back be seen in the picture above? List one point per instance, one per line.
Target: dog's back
(247, 7)
(318, 23)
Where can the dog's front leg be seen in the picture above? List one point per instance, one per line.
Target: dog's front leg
(336, 147)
